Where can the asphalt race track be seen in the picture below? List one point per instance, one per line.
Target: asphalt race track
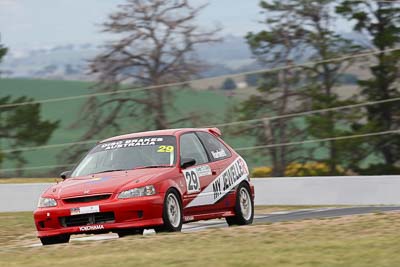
(281, 216)
(296, 215)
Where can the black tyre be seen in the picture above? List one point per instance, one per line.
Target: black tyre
(51, 240)
(129, 232)
(244, 207)
(172, 213)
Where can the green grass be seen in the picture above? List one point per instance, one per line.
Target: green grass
(355, 241)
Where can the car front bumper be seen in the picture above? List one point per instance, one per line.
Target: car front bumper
(139, 212)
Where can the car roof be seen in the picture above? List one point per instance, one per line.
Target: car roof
(174, 132)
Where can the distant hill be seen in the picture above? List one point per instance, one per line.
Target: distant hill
(69, 62)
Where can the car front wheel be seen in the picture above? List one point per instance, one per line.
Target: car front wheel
(244, 207)
(172, 213)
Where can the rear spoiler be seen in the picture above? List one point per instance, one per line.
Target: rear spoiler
(215, 131)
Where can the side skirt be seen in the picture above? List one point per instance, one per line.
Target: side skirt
(208, 216)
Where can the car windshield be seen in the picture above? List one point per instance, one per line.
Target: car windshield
(128, 154)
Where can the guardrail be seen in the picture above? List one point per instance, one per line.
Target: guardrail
(340, 190)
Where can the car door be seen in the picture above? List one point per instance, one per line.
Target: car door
(221, 158)
(197, 177)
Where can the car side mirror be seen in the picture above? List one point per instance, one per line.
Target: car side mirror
(187, 162)
(65, 175)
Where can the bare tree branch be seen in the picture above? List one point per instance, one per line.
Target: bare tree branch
(155, 42)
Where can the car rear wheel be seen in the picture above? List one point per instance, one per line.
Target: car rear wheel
(244, 207)
(172, 213)
(51, 240)
(129, 232)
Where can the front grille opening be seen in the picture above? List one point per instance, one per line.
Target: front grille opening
(86, 199)
(41, 224)
(87, 219)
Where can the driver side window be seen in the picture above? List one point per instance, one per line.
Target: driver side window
(191, 147)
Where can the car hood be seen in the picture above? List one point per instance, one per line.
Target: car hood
(101, 183)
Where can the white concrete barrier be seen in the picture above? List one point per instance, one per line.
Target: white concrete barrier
(341, 190)
(20, 197)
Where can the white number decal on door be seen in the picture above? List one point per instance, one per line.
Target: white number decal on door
(192, 181)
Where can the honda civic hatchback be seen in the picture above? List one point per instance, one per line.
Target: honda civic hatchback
(150, 180)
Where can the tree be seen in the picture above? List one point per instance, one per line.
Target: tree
(380, 21)
(322, 78)
(300, 30)
(276, 46)
(252, 79)
(3, 52)
(21, 125)
(229, 84)
(155, 46)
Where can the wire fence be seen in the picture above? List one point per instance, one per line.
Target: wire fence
(225, 124)
(337, 138)
(283, 116)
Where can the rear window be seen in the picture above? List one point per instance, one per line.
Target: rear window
(215, 148)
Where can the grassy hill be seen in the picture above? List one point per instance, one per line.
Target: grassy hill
(211, 105)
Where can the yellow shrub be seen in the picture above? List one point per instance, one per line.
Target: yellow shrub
(310, 169)
(261, 172)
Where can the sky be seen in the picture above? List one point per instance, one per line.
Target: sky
(37, 23)
(26, 24)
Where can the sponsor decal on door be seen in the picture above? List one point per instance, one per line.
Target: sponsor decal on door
(233, 175)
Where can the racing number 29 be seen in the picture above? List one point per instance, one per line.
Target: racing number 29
(192, 181)
(165, 149)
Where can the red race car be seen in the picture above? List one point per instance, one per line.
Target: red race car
(159, 180)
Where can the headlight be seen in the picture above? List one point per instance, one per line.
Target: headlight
(46, 202)
(138, 192)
